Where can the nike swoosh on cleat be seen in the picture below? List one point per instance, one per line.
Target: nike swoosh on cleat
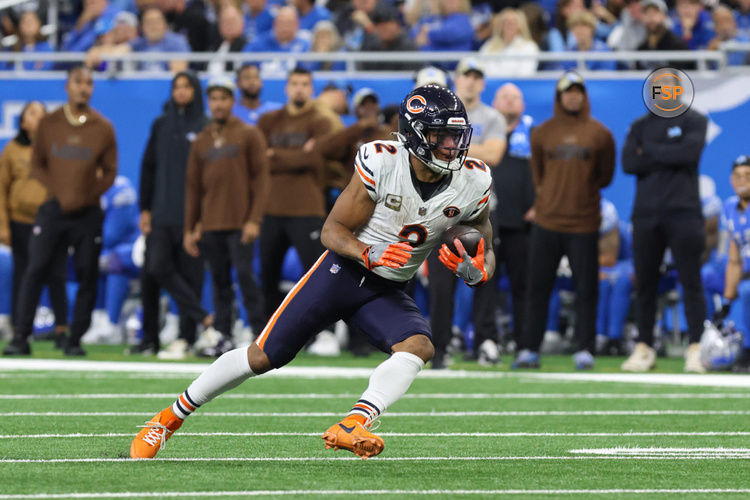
(347, 429)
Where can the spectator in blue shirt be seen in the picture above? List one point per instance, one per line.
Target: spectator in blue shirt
(96, 19)
(157, 38)
(30, 39)
(310, 14)
(693, 24)
(354, 22)
(284, 37)
(449, 30)
(258, 19)
(582, 26)
(726, 31)
(249, 106)
(114, 42)
(326, 39)
(742, 14)
(559, 36)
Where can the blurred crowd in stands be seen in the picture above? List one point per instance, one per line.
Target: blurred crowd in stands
(109, 27)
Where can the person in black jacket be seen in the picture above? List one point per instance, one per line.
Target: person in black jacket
(664, 154)
(162, 203)
(514, 189)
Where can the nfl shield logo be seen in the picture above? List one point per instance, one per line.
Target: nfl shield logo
(422, 211)
(335, 268)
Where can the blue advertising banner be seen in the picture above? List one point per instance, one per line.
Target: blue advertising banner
(132, 105)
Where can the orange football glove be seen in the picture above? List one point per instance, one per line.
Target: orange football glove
(469, 269)
(392, 255)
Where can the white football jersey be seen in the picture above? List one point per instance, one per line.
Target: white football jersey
(401, 214)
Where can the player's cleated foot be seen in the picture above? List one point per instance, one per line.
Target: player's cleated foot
(154, 434)
(350, 435)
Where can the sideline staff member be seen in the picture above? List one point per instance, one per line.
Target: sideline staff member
(664, 155)
(75, 158)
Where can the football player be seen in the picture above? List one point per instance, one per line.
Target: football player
(383, 226)
(736, 284)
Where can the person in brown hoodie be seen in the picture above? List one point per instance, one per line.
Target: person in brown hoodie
(226, 188)
(20, 198)
(341, 146)
(572, 158)
(296, 207)
(75, 159)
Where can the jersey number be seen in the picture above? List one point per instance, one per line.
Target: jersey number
(471, 164)
(379, 147)
(417, 229)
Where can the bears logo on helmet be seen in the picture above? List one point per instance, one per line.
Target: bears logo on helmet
(433, 119)
(416, 104)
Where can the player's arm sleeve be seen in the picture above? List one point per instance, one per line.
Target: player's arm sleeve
(260, 178)
(366, 166)
(107, 163)
(483, 201)
(192, 189)
(148, 171)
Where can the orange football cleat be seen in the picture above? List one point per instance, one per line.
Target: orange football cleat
(350, 434)
(154, 434)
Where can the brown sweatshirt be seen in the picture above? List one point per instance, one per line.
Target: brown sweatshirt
(76, 163)
(295, 173)
(226, 182)
(20, 194)
(572, 158)
(342, 146)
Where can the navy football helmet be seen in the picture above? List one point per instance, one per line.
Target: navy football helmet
(428, 117)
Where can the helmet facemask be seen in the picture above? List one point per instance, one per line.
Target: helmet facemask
(450, 142)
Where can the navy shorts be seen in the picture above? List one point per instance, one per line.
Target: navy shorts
(338, 288)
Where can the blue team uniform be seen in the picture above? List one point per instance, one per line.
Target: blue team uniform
(738, 226)
(119, 232)
(615, 288)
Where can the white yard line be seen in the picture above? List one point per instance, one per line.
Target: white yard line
(256, 493)
(707, 380)
(393, 434)
(625, 451)
(551, 413)
(706, 456)
(678, 395)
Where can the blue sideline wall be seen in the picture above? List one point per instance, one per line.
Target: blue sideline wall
(132, 105)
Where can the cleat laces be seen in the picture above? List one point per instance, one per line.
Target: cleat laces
(373, 424)
(157, 435)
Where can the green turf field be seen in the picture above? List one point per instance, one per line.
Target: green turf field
(496, 433)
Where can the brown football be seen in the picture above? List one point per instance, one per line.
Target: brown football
(468, 236)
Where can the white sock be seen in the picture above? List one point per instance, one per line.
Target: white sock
(390, 380)
(230, 370)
